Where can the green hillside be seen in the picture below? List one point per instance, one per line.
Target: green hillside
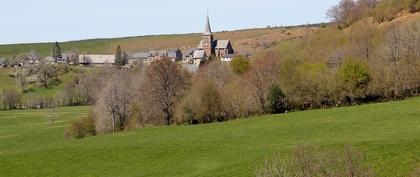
(388, 134)
(249, 40)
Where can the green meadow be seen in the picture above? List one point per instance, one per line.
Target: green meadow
(387, 133)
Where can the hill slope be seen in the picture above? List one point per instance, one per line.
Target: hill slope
(244, 41)
(388, 134)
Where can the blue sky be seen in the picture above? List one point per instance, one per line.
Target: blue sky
(24, 21)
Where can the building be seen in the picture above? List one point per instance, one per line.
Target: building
(212, 47)
(70, 58)
(199, 57)
(96, 59)
(174, 55)
(3, 63)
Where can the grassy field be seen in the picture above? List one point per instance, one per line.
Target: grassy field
(244, 41)
(388, 134)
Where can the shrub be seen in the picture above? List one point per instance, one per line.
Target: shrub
(310, 161)
(355, 77)
(276, 100)
(40, 102)
(239, 65)
(81, 128)
(10, 99)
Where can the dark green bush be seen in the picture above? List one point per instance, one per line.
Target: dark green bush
(81, 128)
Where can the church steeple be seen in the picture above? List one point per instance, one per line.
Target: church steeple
(207, 30)
(207, 42)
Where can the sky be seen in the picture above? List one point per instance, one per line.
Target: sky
(29, 21)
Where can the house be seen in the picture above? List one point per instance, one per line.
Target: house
(174, 55)
(141, 57)
(212, 47)
(199, 57)
(3, 63)
(96, 59)
(189, 56)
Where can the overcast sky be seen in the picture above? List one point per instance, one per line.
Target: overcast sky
(24, 21)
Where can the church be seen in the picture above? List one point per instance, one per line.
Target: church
(210, 47)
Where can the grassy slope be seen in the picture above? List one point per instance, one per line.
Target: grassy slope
(7, 82)
(247, 41)
(388, 133)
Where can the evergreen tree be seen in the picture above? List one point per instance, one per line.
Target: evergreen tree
(276, 100)
(56, 52)
(119, 57)
(125, 58)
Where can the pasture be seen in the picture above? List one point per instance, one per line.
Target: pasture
(387, 133)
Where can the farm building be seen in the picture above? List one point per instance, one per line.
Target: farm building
(96, 59)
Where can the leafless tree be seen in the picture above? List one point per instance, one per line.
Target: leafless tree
(74, 57)
(263, 74)
(340, 12)
(46, 74)
(21, 79)
(115, 104)
(165, 84)
(10, 99)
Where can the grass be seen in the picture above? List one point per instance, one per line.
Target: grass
(387, 133)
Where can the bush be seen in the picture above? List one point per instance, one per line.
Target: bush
(84, 127)
(10, 99)
(40, 102)
(355, 77)
(239, 65)
(310, 161)
(277, 102)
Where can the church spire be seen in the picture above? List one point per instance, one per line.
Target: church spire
(207, 30)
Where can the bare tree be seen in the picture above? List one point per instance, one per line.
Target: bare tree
(340, 12)
(165, 84)
(263, 74)
(21, 79)
(46, 74)
(74, 57)
(10, 99)
(115, 104)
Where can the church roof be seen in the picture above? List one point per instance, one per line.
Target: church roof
(221, 44)
(207, 30)
(218, 44)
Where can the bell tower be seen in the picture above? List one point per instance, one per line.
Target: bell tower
(208, 39)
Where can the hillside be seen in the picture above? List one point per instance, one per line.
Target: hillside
(244, 41)
(387, 133)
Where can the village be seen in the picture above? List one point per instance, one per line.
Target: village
(208, 48)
